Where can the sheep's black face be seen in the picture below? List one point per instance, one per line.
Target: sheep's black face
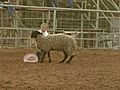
(35, 34)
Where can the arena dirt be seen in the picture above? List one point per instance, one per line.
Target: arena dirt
(89, 70)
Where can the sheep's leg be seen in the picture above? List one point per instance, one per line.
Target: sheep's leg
(65, 57)
(70, 59)
(49, 57)
(43, 56)
(38, 54)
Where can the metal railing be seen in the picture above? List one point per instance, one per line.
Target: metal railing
(66, 20)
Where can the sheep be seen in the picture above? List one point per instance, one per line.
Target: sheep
(58, 42)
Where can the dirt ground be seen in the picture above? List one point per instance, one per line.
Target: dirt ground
(89, 70)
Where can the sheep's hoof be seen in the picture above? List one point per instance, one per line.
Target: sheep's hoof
(49, 61)
(41, 61)
(38, 60)
(61, 62)
(67, 62)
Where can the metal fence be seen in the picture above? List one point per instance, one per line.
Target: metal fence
(92, 28)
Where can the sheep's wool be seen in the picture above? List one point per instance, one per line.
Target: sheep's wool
(58, 42)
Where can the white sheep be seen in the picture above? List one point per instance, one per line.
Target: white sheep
(59, 42)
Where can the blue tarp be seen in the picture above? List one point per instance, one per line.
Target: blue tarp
(70, 3)
(10, 9)
(55, 2)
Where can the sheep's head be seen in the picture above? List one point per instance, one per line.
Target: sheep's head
(34, 34)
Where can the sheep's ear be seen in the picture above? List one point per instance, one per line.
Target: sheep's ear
(39, 33)
(34, 34)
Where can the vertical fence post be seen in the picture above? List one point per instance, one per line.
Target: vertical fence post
(81, 42)
(97, 23)
(54, 21)
(48, 18)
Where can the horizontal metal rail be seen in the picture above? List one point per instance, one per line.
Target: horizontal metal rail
(59, 9)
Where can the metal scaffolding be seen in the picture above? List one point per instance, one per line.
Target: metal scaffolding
(94, 23)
